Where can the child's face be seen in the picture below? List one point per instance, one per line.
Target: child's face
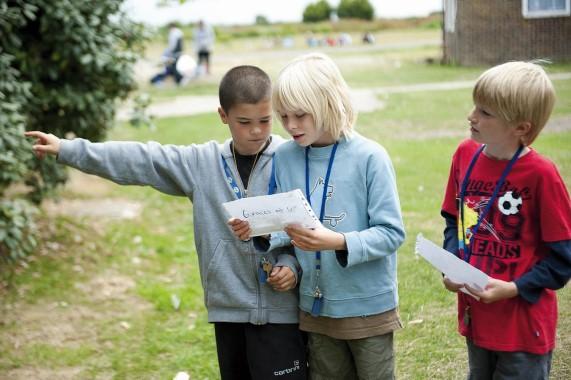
(487, 128)
(301, 126)
(250, 125)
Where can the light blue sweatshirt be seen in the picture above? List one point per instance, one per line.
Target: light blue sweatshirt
(362, 204)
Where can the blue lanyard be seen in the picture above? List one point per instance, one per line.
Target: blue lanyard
(234, 185)
(323, 197)
(499, 184)
(272, 186)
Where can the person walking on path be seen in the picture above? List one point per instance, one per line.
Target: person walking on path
(204, 37)
(171, 55)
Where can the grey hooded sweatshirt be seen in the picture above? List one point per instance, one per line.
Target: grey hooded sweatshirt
(228, 266)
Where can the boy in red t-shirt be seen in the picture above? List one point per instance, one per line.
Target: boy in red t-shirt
(508, 213)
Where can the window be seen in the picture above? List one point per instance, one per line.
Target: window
(545, 8)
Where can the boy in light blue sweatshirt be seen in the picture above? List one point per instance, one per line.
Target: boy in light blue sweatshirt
(348, 291)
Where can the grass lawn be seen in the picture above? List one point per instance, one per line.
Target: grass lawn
(96, 302)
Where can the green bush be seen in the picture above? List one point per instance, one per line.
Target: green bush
(17, 229)
(360, 9)
(14, 150)
(16, 223)
(316, 12)
(63, 65)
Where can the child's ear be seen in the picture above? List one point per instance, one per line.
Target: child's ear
(223, 115)
(523, 128)
(522, 131)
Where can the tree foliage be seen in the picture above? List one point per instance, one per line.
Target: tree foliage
(360, 9)
(63, 65)
(262, 20)
(316, 12)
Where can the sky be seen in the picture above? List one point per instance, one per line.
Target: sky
(230, 12)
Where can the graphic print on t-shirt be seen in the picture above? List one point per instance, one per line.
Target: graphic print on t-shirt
(496, 247)
(332, 220)
(509, 203)
(471, 212)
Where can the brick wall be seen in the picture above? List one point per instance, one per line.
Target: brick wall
(489, 32)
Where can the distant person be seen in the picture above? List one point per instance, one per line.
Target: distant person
(345, 39)
(311, 41)
(204, 37)
(170, 56)
(368, 38)
(508, 213)
(251, 298)
(330, 41)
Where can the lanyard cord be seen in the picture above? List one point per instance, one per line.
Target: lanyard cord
(247, 185)
(499, 184)
(323, 199)
(234, 185)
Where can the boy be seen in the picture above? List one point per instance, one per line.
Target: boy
(256, 329)
(508, 214)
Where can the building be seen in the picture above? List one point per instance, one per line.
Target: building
(488, 32)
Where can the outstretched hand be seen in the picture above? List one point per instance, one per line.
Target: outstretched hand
(45, 143)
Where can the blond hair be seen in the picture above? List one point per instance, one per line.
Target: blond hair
(517, 92)
(313, 84)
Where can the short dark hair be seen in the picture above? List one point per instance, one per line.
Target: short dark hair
(244, 84)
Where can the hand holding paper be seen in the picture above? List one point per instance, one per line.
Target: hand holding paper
(240, 228)
(496, 290)
(271, 213)
(316, 239)
(457, 270)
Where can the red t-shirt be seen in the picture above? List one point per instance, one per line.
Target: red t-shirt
(531, 208)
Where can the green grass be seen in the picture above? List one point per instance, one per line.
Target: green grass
(178, 130)
(56, 316)
(159, 94)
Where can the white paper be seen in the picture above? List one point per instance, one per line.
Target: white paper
(271, 213)
(456, 269)
(182, 376)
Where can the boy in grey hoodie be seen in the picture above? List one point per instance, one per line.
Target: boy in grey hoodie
(255, 319)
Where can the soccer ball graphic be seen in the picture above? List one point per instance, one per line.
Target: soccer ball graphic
(509, 204)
